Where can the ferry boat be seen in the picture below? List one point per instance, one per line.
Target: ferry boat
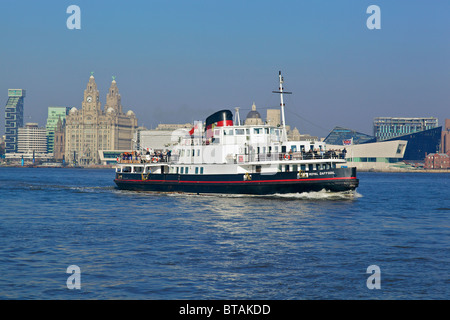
(225, 157)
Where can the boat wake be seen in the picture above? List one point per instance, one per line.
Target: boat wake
(321, 195)
(313, 195)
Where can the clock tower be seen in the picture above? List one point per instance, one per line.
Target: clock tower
(91, 102)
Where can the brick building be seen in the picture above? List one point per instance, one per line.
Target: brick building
(437, 161)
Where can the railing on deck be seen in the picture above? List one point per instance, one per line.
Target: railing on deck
(239, 158)
(255, 157)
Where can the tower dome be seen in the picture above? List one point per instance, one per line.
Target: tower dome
(253, 117)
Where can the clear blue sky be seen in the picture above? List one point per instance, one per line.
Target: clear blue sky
(177, 61)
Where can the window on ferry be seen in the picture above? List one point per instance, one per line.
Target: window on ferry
(295, 168)
(138, 169)
(217, 133)
(239, 132)
(266, 130)
(247, 131)
(126, 169)
(303, 167)
(196, 170)
(193, 152)
(178, 169)
(201, 170)
(294, 148)
(182, 170)
(198, 152)
(333, 165)
(310, 167)
(228, 132)
(276, 149)
(257, 130)
(118, 169)
(182, 153)
(187, 170)
(286, 168)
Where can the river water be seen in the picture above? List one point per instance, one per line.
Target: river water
(130, 245)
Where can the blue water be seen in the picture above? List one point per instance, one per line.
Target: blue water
(132, 245)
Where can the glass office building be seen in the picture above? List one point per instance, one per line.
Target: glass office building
(54, 114)
(13, 118)
(385, 128)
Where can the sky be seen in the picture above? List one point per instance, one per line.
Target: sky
(178, 61)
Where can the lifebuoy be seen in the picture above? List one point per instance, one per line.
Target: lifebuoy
(287, 157)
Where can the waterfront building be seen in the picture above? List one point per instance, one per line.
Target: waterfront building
(421, 143)
(91, 129)
(2, 147)
(54, 115)
(437, 161)
(32, 139)
(344, 136)
(13, 118)
(60, 140)
(384, 155)
(445, 138)
(385, 128)
(162, 138)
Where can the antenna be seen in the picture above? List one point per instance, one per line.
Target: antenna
(281, 92)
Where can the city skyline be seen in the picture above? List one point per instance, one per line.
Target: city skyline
(179, 62)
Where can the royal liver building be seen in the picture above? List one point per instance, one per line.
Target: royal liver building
(92, 129)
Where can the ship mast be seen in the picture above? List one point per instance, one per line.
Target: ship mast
(281, 92)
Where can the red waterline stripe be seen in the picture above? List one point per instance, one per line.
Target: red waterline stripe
(254, 181)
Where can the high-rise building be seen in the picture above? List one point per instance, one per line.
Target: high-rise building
(54, 114)
(32, 139)
(92, 129)
(13, 118)
(387, 127)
